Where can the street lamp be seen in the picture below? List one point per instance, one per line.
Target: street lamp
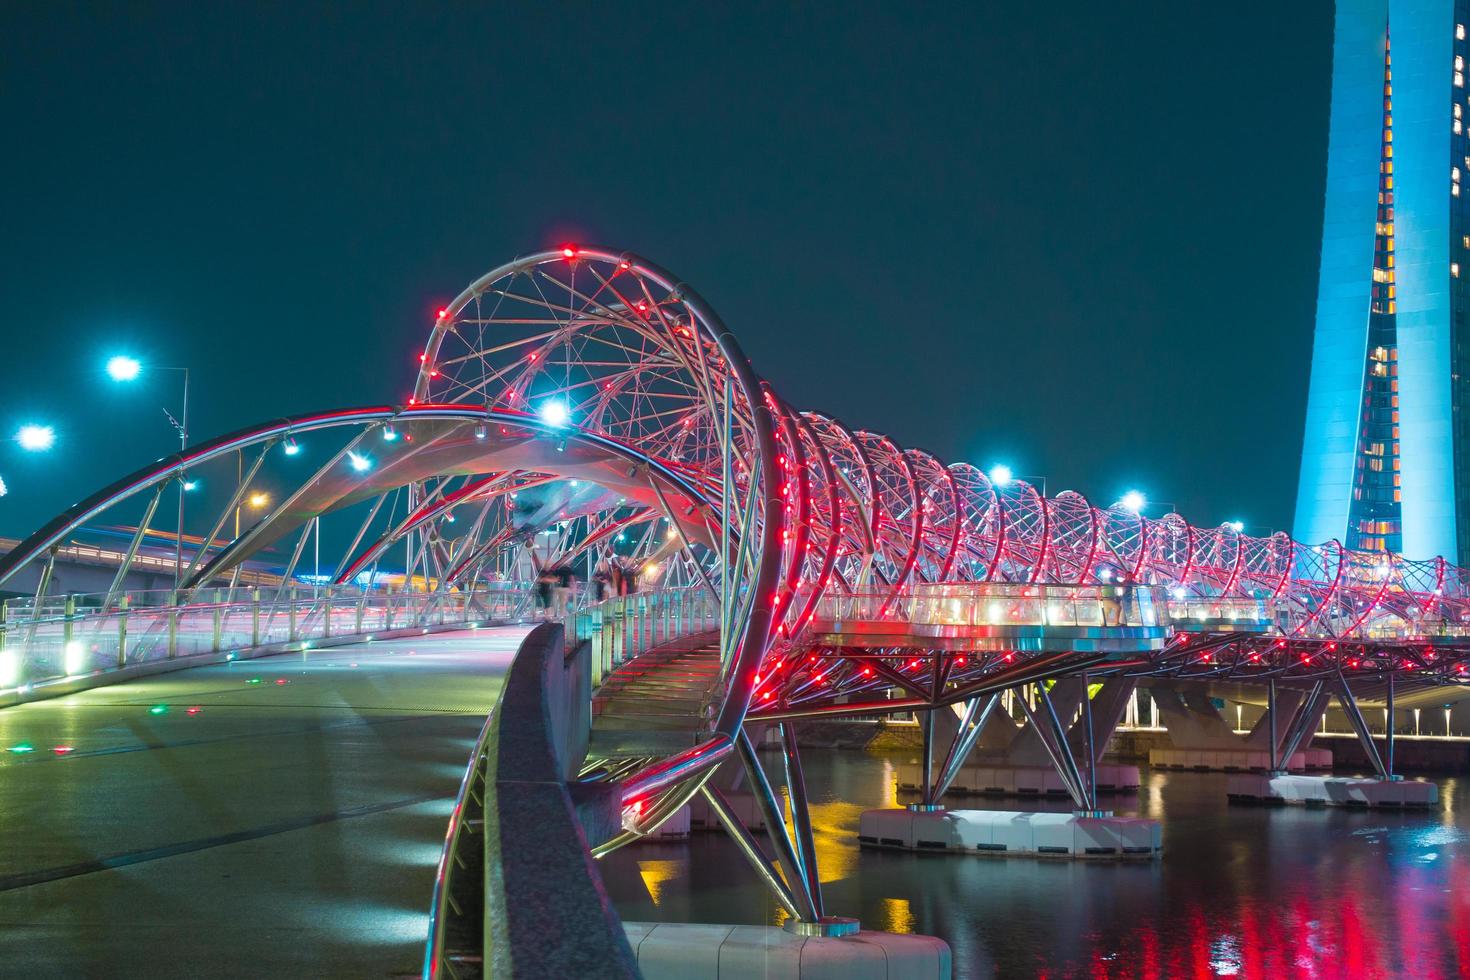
(1001, 476)
(1133, 501)
(36, 438)
(123, 369)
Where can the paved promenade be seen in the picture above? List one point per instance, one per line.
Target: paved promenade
(274, 817)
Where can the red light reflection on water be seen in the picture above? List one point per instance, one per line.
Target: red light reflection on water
(1339, 922)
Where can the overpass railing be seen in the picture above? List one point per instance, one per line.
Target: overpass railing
(80, 635)
(623, 627)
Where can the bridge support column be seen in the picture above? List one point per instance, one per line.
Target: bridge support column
(806, 901)
(1355, 718)
(1053, 736)
(977, 713)
(1309, 712)
(1073, 749)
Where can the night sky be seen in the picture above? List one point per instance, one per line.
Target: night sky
(1077, 238)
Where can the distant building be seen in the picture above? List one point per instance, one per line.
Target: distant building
(1386, 461)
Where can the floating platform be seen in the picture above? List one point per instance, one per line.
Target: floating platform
(693, 951)
(1003, 780)
(1236, 760)
(1009, 832)
(1331, 791)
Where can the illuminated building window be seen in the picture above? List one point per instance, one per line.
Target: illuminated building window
(1455, 269)
(1459, 63)
(1459, 32)
(1459, 79)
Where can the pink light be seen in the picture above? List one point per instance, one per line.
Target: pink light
(192, 711)
(63, 749)
(568, 251)
(423, 358)
(443, 314)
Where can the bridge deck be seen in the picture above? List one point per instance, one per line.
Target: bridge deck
(274, 817)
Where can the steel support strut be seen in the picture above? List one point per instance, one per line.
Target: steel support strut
(1089, 747)
(1056, 748)
(1271, 720)
(927, 783)
(1355, 718)
(1388, 729)
(801, 818)
(977, 714)
(760, 787)
(748, 847)
(1302, 721)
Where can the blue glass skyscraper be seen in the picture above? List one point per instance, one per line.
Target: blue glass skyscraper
(1386, 460)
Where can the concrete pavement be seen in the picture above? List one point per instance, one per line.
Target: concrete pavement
(279, 817)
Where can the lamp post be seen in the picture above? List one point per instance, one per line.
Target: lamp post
(123, 369)
(1000, 475)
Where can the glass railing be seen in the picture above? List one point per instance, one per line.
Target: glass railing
(624, 627)
(996, 604)
(79, 635)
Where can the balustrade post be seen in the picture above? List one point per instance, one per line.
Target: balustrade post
(255, 617)
(219, 628)
(122, 638)
(362, 601)
(68, 611)
(173, 631)
(620, 637)
(326, 604)
(291, 620)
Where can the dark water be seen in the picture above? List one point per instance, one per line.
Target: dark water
(1239, 891)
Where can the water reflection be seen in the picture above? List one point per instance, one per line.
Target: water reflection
(1241, 891)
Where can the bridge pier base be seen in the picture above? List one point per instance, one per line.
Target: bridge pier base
(694, 951)
(1006, 833)
(1284, 788)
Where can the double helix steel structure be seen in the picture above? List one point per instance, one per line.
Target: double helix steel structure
(584, 408)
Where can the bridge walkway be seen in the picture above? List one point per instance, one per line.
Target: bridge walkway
(658, 703)
(277, 817)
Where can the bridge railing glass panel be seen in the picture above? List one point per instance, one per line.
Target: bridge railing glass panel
(80, 635)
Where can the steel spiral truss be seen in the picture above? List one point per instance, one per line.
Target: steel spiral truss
(584, 407)
(617, 347)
